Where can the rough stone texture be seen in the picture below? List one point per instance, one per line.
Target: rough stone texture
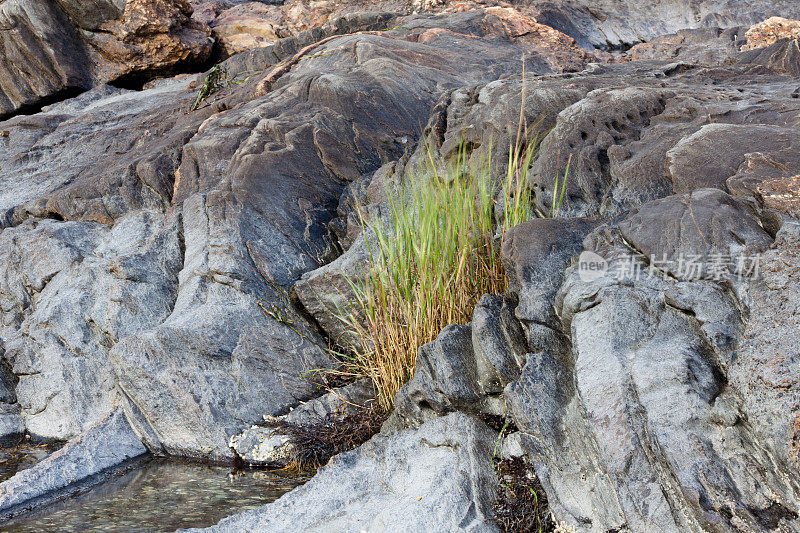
(637, 425)
(766, 371)
(156, 252)
(615, 23)
(152, 249)
(436, 478)
(58, 48)
(783, 57)
(770, 31)
(259, 445)
(108, 443)
(695, 227)
(707, 45)
(465, 368)
(535, 255)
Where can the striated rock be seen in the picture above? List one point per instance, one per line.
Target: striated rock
(766, 371)
(39, 33)
(153, 250)
(637, 425)
(464, 369)
(783, 57)
(621, 23)
(436, 478)
(535, 255)
(105, 445)
(771, 30)
(712, 46)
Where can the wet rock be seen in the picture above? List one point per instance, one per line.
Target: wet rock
(438, 476)
(108, 443)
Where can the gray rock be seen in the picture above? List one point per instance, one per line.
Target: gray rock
(702, 227)
(766, 370)
(105, 445)
(436, 478)
(70, 290)
(465, 368)
(638, 425)
(535, 255)
(153, 250)
(342, 401)
(626, 22)
(712, 46)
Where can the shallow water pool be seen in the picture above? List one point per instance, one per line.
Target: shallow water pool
(162, 495)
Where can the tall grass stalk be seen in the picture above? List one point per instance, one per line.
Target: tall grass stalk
(433, 261)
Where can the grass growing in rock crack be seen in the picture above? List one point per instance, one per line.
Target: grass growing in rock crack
(430, 265)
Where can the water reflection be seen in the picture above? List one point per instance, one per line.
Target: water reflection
(164, 495)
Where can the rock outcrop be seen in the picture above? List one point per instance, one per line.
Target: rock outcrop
(152, 249)
(176, 256)
(439, 477)
(648, 395)
(56, 49)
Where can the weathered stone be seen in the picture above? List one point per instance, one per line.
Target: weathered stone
(618, 23)
(711, 46)
(465, 368)
(535, 255)
(770, 31)
(695, 228)
(55, 49)
(439, 477)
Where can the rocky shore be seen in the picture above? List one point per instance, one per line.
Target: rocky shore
(179, 192)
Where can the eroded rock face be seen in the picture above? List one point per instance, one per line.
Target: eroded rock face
(649, 395)
(151, 250)
(627, 22)
(54, 49)
(770, 31)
